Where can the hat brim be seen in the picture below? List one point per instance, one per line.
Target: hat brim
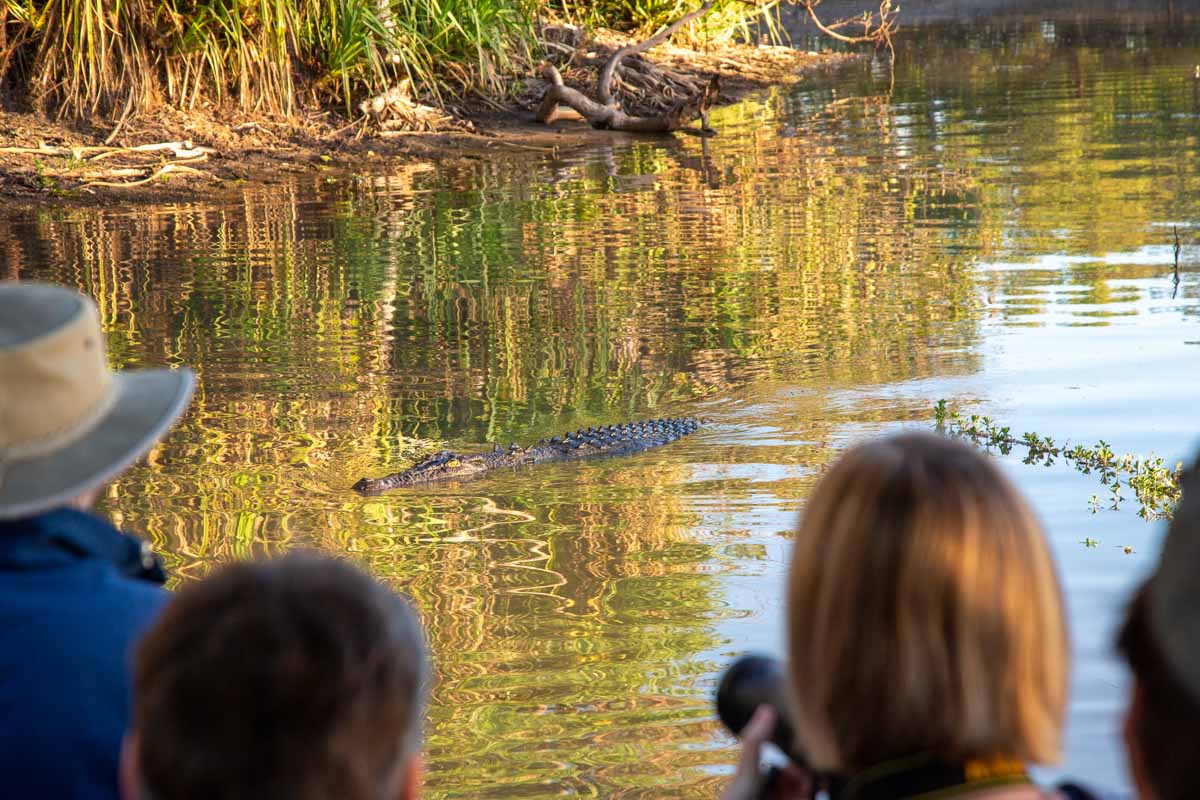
(148, 403)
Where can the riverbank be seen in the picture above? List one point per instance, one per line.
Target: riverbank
(171, 155)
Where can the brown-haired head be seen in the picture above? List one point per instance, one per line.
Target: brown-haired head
(300, 678)
(924, 613)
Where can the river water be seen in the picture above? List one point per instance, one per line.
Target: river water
(996, 231)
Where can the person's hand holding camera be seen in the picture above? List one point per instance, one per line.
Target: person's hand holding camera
(789, 782)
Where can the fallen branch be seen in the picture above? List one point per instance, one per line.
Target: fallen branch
(607, 114)
(45, 150)
(613, 118)
(878, 28)
(180, 149)
(604, 88)
(165, 169)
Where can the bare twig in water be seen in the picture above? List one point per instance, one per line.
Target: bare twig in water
(1177, 248)
(1175, 291)
(877, 27)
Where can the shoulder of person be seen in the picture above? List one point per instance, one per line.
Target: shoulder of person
(1065, 791)
(1073, 791)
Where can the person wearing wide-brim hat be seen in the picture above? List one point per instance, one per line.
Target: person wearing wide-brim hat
(74, 592)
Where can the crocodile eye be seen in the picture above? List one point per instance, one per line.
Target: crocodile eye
(454, 462)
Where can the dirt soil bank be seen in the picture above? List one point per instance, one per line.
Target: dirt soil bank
(172, 156)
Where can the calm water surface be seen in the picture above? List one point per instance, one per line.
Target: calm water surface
(997, 232)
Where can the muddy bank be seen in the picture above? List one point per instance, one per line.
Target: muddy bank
(170, 156)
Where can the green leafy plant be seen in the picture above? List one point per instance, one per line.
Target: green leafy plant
(1153, 483)
(727, 20)
(41, 176)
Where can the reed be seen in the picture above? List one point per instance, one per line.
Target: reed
(728, 19)
(111, 58)
(83, 58)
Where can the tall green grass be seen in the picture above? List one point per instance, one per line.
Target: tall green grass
(728, 19)
(108, 58)
(78, 58)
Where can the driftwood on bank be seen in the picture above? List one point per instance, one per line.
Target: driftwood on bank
(605, 112)
(143, 163)
(182, 149)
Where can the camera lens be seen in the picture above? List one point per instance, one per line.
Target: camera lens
(748, 683)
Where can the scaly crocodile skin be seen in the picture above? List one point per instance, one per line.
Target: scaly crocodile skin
(607, 440)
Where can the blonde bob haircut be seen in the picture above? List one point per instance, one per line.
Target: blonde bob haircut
(924, 613)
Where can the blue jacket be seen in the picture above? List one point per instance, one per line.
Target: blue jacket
(75, 593)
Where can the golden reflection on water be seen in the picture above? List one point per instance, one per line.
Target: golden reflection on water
(577, 612)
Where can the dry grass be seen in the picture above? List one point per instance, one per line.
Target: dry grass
(85, 58)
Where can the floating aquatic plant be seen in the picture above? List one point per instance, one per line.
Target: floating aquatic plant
(1153, 483)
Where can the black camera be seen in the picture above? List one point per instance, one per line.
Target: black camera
(748, 683)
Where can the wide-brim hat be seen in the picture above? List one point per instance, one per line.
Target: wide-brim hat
(68, 424)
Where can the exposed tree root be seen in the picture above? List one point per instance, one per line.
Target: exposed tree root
(612, 117)
(683, 100)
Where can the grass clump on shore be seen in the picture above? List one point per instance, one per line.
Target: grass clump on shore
(726, 21)
(1155, 484)
(78, 59)
(82, 58)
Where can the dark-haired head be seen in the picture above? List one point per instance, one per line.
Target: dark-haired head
(1160, 639)
(298, 678)
(1163, 714)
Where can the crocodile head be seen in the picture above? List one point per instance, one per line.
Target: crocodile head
(446, 465)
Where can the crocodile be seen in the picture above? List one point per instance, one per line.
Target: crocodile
(606, 440)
